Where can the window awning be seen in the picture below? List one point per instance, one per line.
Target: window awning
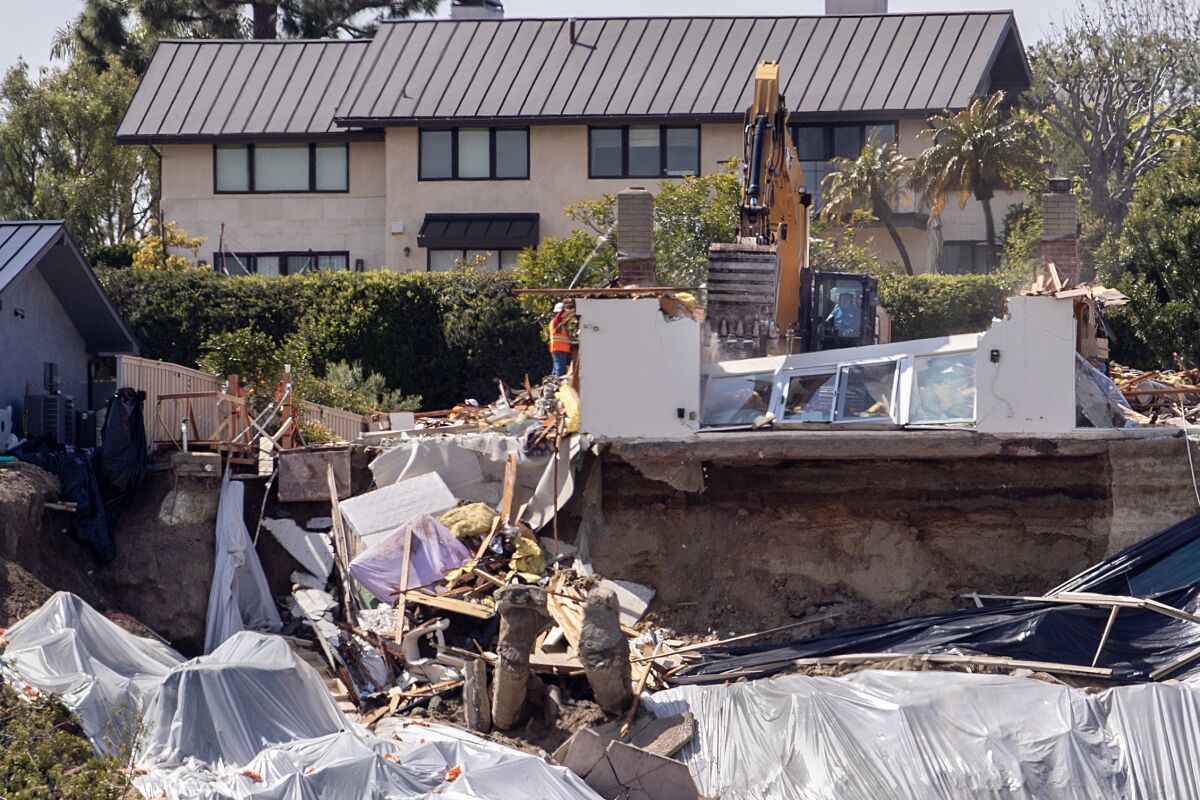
(478, 231)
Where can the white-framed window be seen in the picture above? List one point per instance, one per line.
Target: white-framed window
(731, 400)
(473, 154)
(281, 167)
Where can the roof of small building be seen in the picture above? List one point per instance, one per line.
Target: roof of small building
(205, 89)
(560, 70)
(46, 245)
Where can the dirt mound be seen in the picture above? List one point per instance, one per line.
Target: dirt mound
(20, 593)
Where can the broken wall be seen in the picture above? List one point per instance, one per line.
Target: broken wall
(880, 524)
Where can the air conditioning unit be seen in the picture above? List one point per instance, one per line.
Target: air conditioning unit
(52, 415)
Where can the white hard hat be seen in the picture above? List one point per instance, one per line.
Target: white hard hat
(558, 307)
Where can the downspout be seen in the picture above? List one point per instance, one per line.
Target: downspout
(162, 229)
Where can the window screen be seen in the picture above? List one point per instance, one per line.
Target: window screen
(867, 392)
(943, 388)
(683, 151)
(643, 152)
(437, 154)
(281, 168)
(331, 168)
(512, 154)
(474, 153)
(737, 400)
(810, 398)
(606, 153)
(233, 168)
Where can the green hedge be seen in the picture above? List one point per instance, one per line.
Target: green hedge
(925, 306)
(445, 336)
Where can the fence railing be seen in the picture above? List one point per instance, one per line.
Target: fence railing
(164, 420)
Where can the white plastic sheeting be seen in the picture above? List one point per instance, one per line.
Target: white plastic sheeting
(239, 597)
(876, 735)
(434, 552)
(105, 674)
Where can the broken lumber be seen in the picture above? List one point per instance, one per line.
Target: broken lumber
(477, 610)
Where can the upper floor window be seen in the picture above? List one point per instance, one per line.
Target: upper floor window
(270, 168)
(474, 154)
(818, 145)
(643, 151)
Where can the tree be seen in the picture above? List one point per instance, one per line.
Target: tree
(154, 253)
(1116, 83)
(129, 29)
(874, 182)
(59, 158)
(1160, 246)
(975, 151)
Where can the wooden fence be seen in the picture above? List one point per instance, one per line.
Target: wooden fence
(164, 421)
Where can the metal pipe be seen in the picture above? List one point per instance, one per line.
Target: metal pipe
(754, 188)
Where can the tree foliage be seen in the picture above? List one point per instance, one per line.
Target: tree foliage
(1117, 84)
(59, 158)
(155, 253)
(975, 151)
(874, 182)
(1160, 247)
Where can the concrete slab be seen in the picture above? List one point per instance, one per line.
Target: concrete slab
(312, 551)
(303, 474)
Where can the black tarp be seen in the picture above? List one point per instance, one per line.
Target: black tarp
(1165, 567)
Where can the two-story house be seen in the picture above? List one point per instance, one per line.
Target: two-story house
(442, 140)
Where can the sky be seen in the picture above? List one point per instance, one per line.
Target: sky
(29, 26)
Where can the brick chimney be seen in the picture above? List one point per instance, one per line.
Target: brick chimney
(635, 237)
(476, 9)
(835, 8)
(1060, 230)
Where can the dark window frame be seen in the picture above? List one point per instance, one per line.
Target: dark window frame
(454, 171)
(251, 259)
(979, 256)
(251, 174)
(828, 129)
(498, 251)
(662, 151)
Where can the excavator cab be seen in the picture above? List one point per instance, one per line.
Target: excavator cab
(837, 310)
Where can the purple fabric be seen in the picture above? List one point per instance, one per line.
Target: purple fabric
(435, 551)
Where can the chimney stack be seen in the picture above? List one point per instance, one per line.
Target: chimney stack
(635, 237)
(834, 8)
(1060, 230)
(476, 9)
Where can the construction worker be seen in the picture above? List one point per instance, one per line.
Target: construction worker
(560, 338)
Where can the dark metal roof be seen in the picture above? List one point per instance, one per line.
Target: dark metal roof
(479, 231)
(204, 89)
(697, 67)
(47, 247)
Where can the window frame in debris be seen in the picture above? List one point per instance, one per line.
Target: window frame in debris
(896, 410)
(456, 153)
(783, 387)
(250, 149)
(239, 263)
(757, 376)
(663, 155)
(499, 253)
(911, 388)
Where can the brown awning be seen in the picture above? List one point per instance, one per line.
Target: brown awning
(478, 231)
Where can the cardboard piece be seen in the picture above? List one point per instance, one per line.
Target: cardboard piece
(302, 474)
(375, 515)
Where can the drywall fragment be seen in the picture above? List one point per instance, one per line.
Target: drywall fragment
(634, 599)
(376, 514)
(311, 550)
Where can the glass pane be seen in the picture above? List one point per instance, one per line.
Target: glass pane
(810, 143)
(943, 388)
(436, 154)
(444, 260)
(266, 265)
(881, 134)
(814, 179)
(333, 261)
(845, 141)
(810, 398)
(643, 152)
(474, 153)
(233, 168)
(737, 400)
(512, 154)
(866, 390)
(840, 308)
(606, 153)
(483, 259)
(683, 151)
(508, 259)
(331, 167)
(281, 168)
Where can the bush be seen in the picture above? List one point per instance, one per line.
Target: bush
(445, 336)
(111, 255)
(925, 306)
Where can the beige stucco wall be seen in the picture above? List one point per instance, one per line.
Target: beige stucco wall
(352, 221)
(558, 177)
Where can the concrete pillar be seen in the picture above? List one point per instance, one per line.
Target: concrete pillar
(523, 616)
(477, 701)
(635, 237)
(604, 651)
(1060, 229)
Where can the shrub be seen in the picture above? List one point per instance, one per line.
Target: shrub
(111, 255)
(444, 336)
(925, 306)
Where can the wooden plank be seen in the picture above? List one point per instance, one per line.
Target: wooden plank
(983, 661)
(341, 551)
(450, 604)
(510, 488)
(614, 292)
(721, 642)
(400, 601)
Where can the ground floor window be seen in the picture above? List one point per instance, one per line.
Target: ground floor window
(444, 260)
(290, 263)
(967, 258)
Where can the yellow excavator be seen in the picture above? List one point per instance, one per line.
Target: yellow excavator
(763, 296)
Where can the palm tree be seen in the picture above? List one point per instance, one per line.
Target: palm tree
(873, 182)
(973, 152)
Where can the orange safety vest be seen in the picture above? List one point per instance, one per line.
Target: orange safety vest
(560, 340)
